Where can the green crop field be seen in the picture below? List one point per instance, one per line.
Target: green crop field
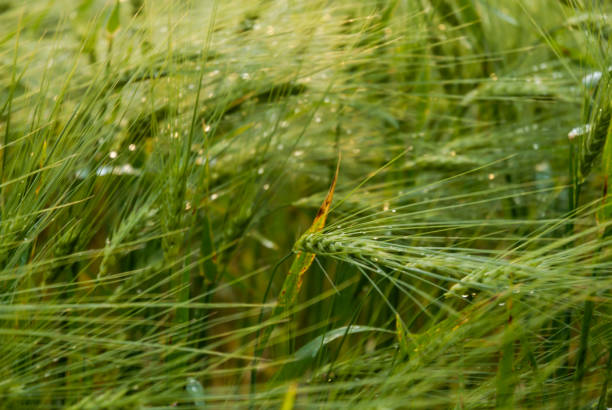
(289, 204)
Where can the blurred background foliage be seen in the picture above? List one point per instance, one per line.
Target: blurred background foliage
(161, 161)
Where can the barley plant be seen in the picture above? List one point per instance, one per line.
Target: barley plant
(295, 204)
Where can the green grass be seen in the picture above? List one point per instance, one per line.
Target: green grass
(161, 169)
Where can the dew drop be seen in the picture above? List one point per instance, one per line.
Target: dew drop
(591, 79)
(575, 132)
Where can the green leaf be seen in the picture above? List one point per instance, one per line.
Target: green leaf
(301, 264)
(310, 349)
(112, 25)
(305, 355)
(84, 6)
(303, 260)
(402, 332)
(604, 214)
